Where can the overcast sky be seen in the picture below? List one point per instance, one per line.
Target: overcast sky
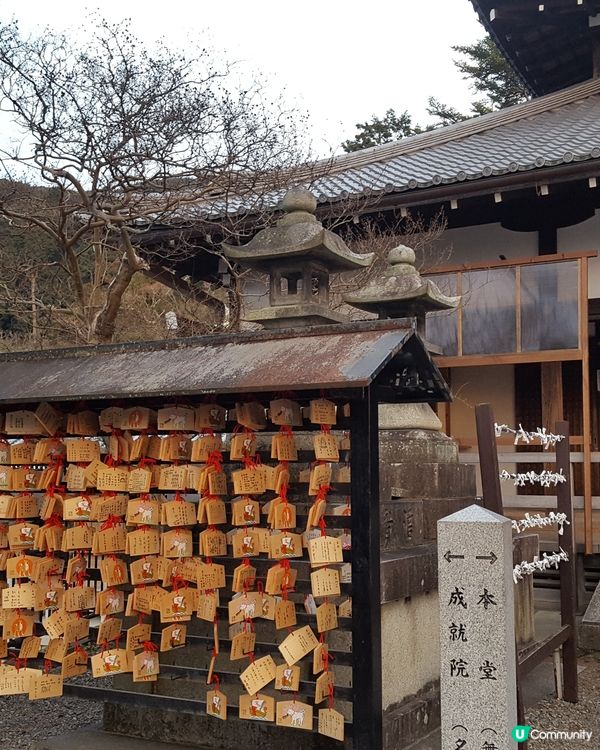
(341, 61)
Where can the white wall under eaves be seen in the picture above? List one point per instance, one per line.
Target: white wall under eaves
(584, 236)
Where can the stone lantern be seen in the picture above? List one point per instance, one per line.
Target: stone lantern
(298, 254)
(401, 292)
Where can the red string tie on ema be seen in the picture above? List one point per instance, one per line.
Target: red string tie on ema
(323, 491)
(249, 462)
(286, 514)
(111, 522)
(330, 690)
(80, 576)
(19, 663)
(286, 578)
(53, 570)
(248, 582)
(179, 582)
(54, 521)
(327, 656)
(81, 652)
(215, 460)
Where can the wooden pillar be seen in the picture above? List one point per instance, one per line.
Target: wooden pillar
(552, 401)
(525, 547)
(547, 240)
(586, 406)
(444, 408)
(488, 458)
(552, 393)
(568, 582)
(366, 619)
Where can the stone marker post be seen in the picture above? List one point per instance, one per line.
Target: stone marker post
(477, 632)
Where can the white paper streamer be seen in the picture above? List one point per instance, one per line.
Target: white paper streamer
(545, 438)
(530, 522)
(547, 561)
(545, 478)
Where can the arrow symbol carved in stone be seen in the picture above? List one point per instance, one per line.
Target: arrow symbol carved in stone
(491, 557)
(448, 557)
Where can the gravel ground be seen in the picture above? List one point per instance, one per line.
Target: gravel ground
(554, 714)
(23, 722)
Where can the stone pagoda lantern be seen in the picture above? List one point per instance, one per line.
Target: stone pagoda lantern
(401, 292)
(298, 254)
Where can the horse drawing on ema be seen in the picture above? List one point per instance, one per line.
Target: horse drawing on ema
(145, 513)
(297, 717)
(247, 609)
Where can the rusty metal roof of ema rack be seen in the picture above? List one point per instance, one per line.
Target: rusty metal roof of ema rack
(324, 357)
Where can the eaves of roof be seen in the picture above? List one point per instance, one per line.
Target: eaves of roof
(500, 41)
(556, 132)
(557, 129)
(548, 45)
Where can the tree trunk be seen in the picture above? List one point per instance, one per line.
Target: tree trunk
(75, 272)
(105, 321)
(35, 332)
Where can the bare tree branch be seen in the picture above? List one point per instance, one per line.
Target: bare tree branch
(120, 139)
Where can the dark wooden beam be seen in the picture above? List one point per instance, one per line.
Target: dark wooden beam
(550, 7)
(533, 17)
(547, 239)
(488, 458)
(542, 651)
(175, 282)
(568, 583)
(552, 392)
(595, 40)
(488, 185)
(366, 617)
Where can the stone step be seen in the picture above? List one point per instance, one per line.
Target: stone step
(97, 739)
